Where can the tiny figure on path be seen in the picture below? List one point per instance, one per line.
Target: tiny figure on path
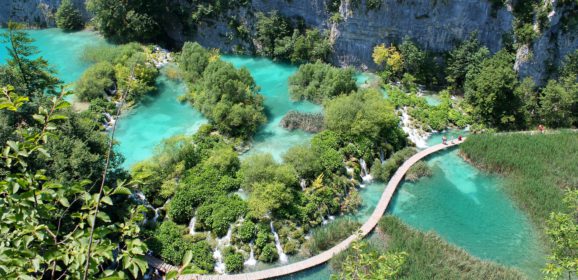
(541, 128)
(452, 139)
(460, 138)
(444, 140)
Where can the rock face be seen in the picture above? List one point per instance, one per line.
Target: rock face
(437, 25)
(35, 12)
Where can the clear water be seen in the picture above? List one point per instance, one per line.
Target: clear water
(462, 204)
(157, 118)
(63, 51)
(273, 78)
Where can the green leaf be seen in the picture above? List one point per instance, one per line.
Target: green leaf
(122, 190)
(171, 275)
(187, 258)
(107, 200)
(64, 202)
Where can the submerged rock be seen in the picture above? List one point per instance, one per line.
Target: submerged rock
(309, 122)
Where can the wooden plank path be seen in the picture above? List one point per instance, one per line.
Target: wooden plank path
(327, 255)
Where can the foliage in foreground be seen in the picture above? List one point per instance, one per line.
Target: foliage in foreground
(362, 263)
(330, 235)
(562, 229)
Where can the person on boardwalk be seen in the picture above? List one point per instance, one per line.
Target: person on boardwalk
(460, 138)
(444, 140)
(541, 128)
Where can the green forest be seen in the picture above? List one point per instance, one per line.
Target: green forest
(209, 201)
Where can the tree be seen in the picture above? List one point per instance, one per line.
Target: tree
(529, 95)
(562, 231)
(466, 57)
(97, 81)
(192, 61)
(558, 103)
(125, 21)
(50, 229)
(490, 92)
(267, 198)
(390, 58)
(68, 18)
(363, 115)
(30, 77)
(269, 28)
(318, 81)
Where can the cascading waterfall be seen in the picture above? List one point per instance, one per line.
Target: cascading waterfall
(251, 261)
(365, 175)
(381, 155)
(109, 120)
(303, 184)
(282, 256)
(415, 135)
(192, 226)
(217, 255)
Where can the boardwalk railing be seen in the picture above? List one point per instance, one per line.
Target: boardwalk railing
(326, 255)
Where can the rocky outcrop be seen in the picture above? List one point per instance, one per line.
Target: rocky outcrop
(437, 25)
(549, 50)
(34, 12)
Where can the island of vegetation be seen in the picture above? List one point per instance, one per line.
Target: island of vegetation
(202, 203)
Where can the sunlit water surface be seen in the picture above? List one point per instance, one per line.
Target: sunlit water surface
(464, 205)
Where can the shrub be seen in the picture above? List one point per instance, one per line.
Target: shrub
(418, 170)
(246, 231)
(328, 236)
(269, 253)
(317, 81)
(96, 82)
(234, 262)
(68, 18)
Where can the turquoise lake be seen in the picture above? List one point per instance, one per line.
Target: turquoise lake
(465, 206)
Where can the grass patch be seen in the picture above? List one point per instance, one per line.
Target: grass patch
(418, 170)
(330, 235)
(430, 257)
(538, 168)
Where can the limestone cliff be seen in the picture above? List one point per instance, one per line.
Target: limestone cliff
(437, 25)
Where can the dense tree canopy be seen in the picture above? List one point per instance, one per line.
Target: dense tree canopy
(466, 57)
(96, 82)
(490, 91)
(68, 18)
(317, 81)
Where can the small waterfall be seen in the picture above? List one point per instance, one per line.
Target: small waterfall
(381, 155)
(192, 226)
(323, 221)
(282, 257)
(251, 261)
(217, 255)
(416, 135)
(303, 184)
(365, 175)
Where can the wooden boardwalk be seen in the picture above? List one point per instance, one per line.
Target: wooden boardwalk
(327, 255)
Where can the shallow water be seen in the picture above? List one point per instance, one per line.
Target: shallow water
(272, 78)
(157, 118)
(462, 204)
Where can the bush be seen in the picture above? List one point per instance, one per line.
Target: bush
(418, 170)
(330, 235)
(246, 231)
(234, 262)
(68, 18)
(96, 82)
(317, 81)
(269, 253)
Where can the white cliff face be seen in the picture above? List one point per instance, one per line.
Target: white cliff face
(35, 12)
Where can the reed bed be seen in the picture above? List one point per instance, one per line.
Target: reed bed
(538, 168)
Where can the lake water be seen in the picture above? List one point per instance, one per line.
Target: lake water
(465, 206)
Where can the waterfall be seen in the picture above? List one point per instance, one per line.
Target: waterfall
(365, 175)
(192, 226)
(303, 184)
(323, 221)
(416, 135)
(282, 257)
(217, 255)
(381, 155)
(251, 261)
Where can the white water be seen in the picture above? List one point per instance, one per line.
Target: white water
(251, 261)
(282, 256)
(365, 175)
(303, 184)
(217, 255)
(192, 226)
(416, 135)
